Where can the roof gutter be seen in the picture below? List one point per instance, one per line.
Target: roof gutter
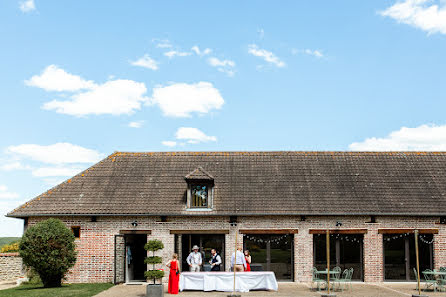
(224, 214)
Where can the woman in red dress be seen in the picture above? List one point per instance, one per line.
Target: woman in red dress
(248, 261)
(174, 275)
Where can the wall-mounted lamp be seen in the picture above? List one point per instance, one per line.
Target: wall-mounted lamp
(134, 223)
(302, 218)
(94, 219)
(338, 224)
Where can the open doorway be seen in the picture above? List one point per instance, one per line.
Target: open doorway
(206, 242)
(134, 257)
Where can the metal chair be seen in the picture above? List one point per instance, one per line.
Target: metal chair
(441, 280)
(342, 282)
(430, 280)
(316, 280)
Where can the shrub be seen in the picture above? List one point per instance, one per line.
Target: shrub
(153, 246)
(13, 247)
(154, 274)
(153, 260)
(49, 249)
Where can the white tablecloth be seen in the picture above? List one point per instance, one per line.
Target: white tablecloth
(224, 281)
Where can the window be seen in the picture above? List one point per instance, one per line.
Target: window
(76, 231)
(199, 196)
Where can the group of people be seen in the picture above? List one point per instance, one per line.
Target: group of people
(240, 261)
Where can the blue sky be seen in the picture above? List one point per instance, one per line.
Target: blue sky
(82, 79)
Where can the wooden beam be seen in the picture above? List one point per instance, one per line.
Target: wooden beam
(402, 231)
(199, 231)
(269, 231)
(135, 231)
(338, 231)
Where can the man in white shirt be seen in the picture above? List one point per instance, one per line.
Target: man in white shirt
(239, 263)
(194, 260)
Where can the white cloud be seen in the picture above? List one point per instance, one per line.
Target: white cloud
(316, 53)
(113, 97)
(58, 153)
(169, 143)
(14, 165)
(27, 6)
(54, 78)
(193, 135)
(421, 138)
(197, 50)
(215, 62)
(162, 43)
(181, 99)
(136, 124)
(171, 54)
(225, 66)
(56, 171)
(420, 14)
(268, 56)
(147, 62)
(5, 194)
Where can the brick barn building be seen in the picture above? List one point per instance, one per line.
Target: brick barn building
(279, 204)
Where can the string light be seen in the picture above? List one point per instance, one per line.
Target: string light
(271, 240)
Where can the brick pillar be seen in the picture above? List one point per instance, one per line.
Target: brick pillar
(303, 255)
(373, 255)
(439, 247)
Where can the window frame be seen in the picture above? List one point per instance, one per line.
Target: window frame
(210, 194)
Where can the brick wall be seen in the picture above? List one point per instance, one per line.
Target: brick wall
(96, 243)
(11, 267)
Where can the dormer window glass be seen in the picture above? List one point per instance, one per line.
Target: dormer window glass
(199, 196)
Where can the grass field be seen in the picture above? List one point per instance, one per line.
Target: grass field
(67, 290)
(7, 240)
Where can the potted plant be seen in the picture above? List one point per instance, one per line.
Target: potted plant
(154, 289)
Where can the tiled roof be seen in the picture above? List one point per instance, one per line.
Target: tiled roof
(254, 183)
(199, 174)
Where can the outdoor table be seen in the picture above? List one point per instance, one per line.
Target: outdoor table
(332, 272)
(224, 281)
(435, 272)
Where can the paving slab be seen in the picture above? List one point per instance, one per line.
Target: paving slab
(285, 290)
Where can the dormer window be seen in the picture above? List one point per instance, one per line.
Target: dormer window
(199, 195)
(199, 189)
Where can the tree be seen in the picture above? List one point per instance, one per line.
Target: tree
(153, 246)
(48, 247)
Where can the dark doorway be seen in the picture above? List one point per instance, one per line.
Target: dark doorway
(270, 252)
(399, 255)
(206, 242)
(134, 257)
(346, 251)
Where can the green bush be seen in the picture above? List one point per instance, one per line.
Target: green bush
(49, 249)
(153, 260)
(154, 274)
(154, 245)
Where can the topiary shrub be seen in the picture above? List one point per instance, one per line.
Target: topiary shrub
(49, 249)
(153, 246)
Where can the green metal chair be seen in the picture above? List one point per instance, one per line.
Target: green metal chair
(316, 280)
(343, 281)
(430, 280)
(441, 280)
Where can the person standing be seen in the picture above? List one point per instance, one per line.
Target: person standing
(248, 260)
(215, 261)
(238, 262)
(174, 275)
(194, 260)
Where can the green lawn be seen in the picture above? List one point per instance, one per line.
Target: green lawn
(67, 290)
(7, 240)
